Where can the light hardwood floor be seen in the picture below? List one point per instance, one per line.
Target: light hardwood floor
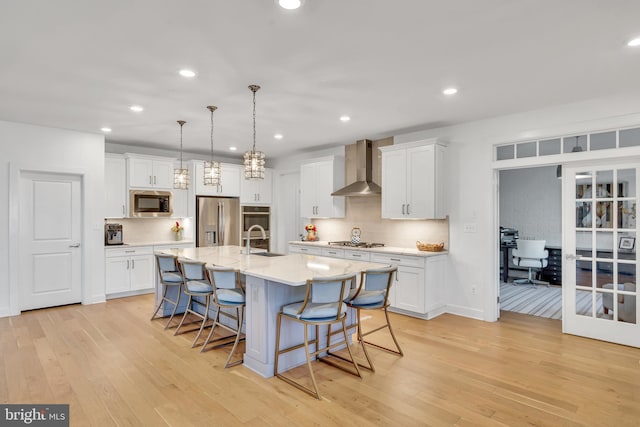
(115, 367)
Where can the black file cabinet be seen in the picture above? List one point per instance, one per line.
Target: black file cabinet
(552, 273)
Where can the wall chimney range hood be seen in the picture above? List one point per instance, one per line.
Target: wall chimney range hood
(363, 164)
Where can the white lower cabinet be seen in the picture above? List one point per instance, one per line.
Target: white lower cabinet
(128, 270)
(416, 290)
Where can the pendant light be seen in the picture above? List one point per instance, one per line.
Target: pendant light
(576, 149)
(254, 160)
(181, 175)
(212, 168)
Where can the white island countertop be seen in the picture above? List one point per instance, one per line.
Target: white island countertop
(381, 249)
(293, 269)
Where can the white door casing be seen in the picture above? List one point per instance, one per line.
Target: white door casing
(50, 237)
(600, 267)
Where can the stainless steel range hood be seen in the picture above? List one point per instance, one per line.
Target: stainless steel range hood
(362, 162)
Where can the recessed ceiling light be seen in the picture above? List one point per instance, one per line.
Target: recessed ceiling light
(634, 42)
(289, 4)
(233, 148)
(450, 91)
(136, 108)
(345, 118)
(105, 129)
(187, 73)
(278, 136)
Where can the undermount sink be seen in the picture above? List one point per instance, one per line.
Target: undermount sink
(268, 254)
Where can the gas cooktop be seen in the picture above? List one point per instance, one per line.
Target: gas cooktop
(356, 245)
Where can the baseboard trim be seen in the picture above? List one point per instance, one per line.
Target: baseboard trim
(471, 313)
(130, 293)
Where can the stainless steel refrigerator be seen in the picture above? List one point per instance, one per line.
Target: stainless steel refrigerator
(217, 221)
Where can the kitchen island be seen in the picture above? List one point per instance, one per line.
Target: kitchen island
(271, 282)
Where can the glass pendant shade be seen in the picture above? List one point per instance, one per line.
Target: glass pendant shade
(254, 160)
(212, 168)
(181, 179)
(211, 173)
(254, 165)
(181, 175)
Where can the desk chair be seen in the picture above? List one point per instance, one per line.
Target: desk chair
(533, 255)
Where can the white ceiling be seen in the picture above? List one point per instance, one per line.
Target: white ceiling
(81, 64)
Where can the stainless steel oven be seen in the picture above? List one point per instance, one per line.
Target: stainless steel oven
(256, 215)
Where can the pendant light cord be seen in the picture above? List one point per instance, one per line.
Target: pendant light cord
(181, 123)
(254, 121)
(212, 135)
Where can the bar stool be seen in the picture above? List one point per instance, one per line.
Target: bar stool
(196, 285)
(373, 294)
(227, 294)
(323, 305)
(171, 278)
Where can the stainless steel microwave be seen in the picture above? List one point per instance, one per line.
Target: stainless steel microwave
(150, 203)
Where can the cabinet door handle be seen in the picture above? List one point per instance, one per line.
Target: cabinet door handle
(403, 209)
(133, 263)
(150, 180)
(122, 209)
(155, 179)
(408, 213)
(127, 264)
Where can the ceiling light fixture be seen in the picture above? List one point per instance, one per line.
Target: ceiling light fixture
(136, 108)
(450, 91)
(181, 175)
(187, 73)
(105, 130)
(233, 148)
(278, 136)
(289, 4)
(345, 118)
(576, 149)
(634, 42)
(254, 160)
(212, 168)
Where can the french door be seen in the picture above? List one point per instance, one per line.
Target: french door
(600, 264)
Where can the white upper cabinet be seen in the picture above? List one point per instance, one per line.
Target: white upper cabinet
(413, 180)
(257, 192)
(230, 176)
(145, 172)
(115, 187)
(318, 179)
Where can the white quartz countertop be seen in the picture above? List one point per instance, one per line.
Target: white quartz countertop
(382, 249)
(293, 269)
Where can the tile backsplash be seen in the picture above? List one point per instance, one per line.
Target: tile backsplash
(150, 230)
(365, 213)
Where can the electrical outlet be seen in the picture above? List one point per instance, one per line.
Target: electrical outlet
(474, 289)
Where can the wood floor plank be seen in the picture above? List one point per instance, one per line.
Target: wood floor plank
(115, 367)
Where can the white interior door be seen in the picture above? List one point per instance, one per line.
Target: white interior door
(600, 260)
(50, 256)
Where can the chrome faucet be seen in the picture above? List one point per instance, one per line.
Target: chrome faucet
(264, 236)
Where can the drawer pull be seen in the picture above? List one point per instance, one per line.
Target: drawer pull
(394, 259)
(130, 252)
(357, 255)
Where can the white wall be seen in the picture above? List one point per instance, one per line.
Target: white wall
(530, 202)
(48, 149)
